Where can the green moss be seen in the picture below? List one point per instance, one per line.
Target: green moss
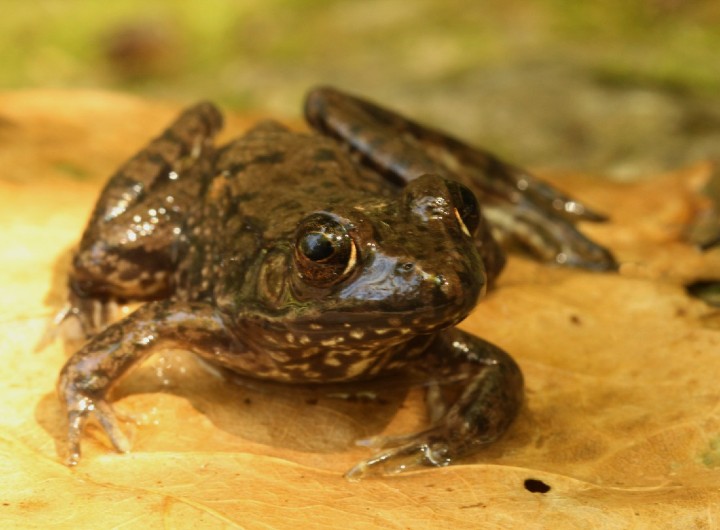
(224, 45)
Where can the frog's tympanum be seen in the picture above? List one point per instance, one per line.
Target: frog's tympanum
(333, 256)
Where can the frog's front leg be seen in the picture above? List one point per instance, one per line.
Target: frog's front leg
(475, 393)
(91, 372)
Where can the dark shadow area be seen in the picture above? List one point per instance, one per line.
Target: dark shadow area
(308, 418)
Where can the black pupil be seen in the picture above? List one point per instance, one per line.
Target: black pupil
(468, 208)
(317, 246)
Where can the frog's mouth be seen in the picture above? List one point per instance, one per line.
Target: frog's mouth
(346, 340)
(379, 320)
(411, 322)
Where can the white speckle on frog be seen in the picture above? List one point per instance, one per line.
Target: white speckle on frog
(360, 366)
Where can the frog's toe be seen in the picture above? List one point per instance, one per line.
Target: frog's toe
(91, 314)
(108, 420)
(78, 416)
(552, 239)
(383, 442)
(53, 328)
(76, 424)
(426, 449)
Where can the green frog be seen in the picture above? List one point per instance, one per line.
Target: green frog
(340, 255)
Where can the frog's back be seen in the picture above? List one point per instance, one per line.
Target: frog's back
(263, 184)
(274, 177)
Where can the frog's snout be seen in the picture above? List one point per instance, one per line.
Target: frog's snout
(442, 282)
(458, 291)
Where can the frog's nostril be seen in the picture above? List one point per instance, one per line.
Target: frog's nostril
(406, 267)
(441, 283)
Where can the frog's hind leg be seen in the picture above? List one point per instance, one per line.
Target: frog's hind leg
(131, 243)
(475, 394)
(522, 209)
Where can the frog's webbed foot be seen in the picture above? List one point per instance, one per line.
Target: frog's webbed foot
(521, 208)
(467, 412)
(88, 375)
(547, 235)
(80, 408)
(429, 448)
(92, 314)
(79, 320)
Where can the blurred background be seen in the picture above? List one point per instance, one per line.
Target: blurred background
(624, 88)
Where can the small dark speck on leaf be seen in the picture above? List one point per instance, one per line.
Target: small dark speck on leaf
(478, 505)
(575, 319)
(534, 485)
(247, 401)
(311, 401)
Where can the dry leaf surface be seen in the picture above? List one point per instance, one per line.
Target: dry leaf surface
(621, 419)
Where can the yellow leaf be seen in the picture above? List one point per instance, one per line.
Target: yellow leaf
(621, 420)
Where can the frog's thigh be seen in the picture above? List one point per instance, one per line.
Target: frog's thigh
(128, 246)
(133, 256)
(163, 161)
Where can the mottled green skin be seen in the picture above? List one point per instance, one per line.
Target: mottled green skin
(212, 238)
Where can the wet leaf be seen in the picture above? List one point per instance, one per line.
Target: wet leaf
(621, 427)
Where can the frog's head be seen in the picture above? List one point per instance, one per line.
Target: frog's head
(407, 265)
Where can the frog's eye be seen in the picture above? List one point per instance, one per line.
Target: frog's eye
(324, 251)
(467, 209)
